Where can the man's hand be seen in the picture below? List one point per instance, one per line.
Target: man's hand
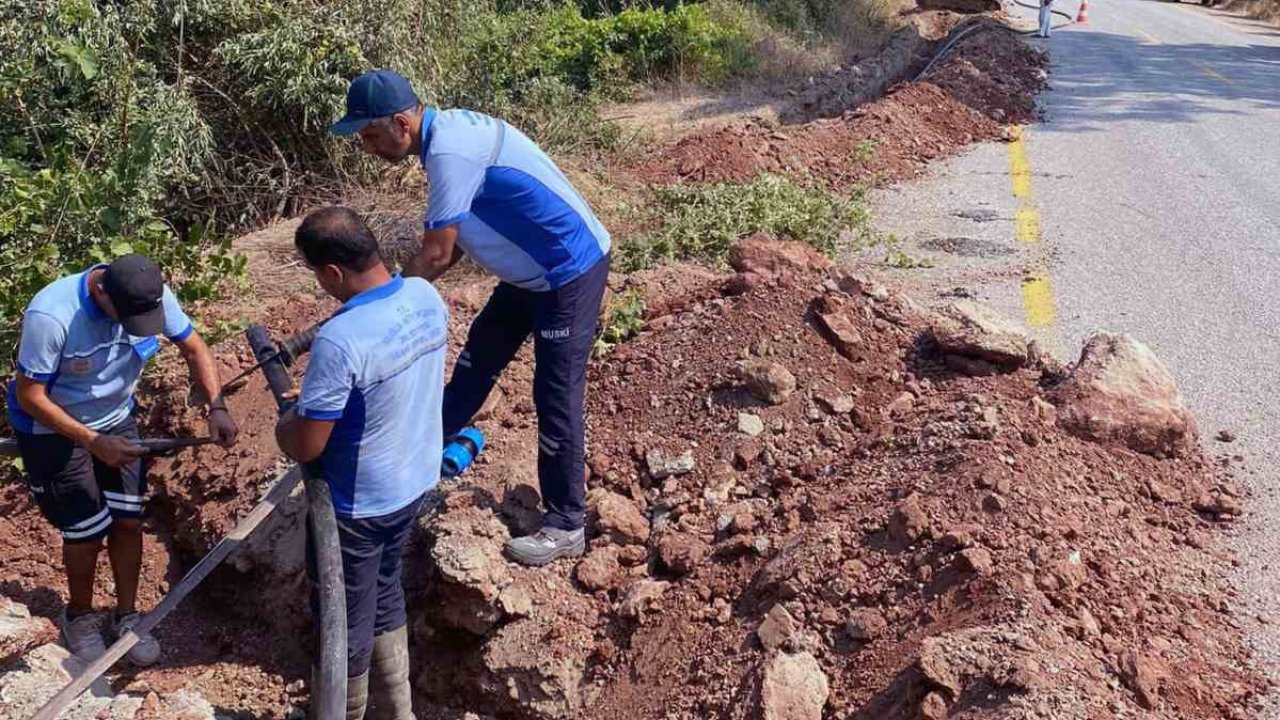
(439, 252)
(115, 451)
(222, 427)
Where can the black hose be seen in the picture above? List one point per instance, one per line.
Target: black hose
(329, 695)
(977, 25)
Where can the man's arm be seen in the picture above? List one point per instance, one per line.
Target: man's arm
(33, 398)
(207, 383)
(302, 439)
(439, 252)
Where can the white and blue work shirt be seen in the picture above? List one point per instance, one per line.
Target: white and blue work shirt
(377, 369)
(89, 365)
(517, 215)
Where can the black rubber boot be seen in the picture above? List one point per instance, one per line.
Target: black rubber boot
(390, 693)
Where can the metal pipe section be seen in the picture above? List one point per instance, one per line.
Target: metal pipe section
(329, 694)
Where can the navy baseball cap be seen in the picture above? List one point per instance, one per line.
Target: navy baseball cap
(136, 289)
(375, 94)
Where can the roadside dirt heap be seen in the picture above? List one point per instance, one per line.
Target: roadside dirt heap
(989, 79)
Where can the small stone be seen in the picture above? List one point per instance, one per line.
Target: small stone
(600, 569)
(994, 503)
(836, 404)
(768, 382)
(909, 521)
(750, 424)
(900, 404)
(793, 688)
(866, 624)
(933, 707)
(662, 465)
(777, 629)
(641, 597)
(619, 518)
(1225, 436)
(977, 560)
(682, 552)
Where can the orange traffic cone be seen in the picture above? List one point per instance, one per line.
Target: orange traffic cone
(1082, 18)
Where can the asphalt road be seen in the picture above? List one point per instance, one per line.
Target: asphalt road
(1155, 181)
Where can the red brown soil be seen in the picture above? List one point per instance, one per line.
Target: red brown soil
(1086, 553)
(988, 79)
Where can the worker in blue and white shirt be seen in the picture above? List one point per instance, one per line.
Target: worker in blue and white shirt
(85, 341)
(497, 198)
(368, 416)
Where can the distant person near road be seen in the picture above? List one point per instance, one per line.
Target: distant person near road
(1046, 18)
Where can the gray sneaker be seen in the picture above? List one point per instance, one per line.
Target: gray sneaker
(83, 636)
(546, 545)
(147, 650)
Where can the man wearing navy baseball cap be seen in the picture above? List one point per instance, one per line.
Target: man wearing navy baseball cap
(85, 341)
(495, 196)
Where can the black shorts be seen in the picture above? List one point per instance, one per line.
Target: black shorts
(75, 491)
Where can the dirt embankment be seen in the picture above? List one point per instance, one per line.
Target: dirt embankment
(988, 79)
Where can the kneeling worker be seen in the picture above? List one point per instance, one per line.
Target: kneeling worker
(368, 416)
(85, 341)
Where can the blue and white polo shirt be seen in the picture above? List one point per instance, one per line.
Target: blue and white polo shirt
(89, 365)
(377, 369)
(517, 215)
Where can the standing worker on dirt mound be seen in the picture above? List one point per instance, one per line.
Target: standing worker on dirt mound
(495, 196)
(369, 416)
(85, 342)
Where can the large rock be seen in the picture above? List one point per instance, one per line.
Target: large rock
(969, 331)
(1120, 392)
(474, 587)
(19, 631)
(794, 688)
(769, 257)
(43, 672)
(529, 679)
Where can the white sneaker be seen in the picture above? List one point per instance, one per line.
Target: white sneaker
(147, 650)
(83, 636)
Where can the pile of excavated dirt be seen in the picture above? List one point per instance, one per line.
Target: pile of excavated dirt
(989, 78)
(814, 499)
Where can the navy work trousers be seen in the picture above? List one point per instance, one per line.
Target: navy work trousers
(371, 562)
(563, 322)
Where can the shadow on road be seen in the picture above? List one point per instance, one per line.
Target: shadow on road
(1104, 77)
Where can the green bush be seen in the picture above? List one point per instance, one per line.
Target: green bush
(701, 222)
(91, 146)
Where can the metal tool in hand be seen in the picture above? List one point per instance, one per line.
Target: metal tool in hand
(154, 446)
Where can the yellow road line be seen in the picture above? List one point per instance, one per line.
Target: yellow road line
(1026, 223)
(1019, 165)
(1148, 37)
(1214, 73)
(1038, 301)
(1039, 304)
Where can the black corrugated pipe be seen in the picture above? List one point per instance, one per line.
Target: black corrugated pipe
(329, 691)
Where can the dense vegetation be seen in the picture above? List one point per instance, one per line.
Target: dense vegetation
(162, 125)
